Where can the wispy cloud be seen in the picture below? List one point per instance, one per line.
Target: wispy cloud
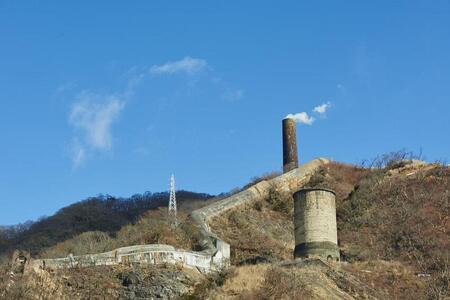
(321, 109)
(186, 65)
(301, 117)
(92, 117)
(304, 118)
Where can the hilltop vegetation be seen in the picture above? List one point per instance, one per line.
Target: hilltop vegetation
(392, 225)
(394, 214)
(94, 220)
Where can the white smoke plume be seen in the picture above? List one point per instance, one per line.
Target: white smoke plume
(321, 109)
(301, 117)
(304, 118)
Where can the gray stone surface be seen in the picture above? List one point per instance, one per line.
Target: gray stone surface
(147, 254)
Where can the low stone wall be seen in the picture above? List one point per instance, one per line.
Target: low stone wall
(145, 254)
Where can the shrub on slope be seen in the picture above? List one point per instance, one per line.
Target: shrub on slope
(104, 213)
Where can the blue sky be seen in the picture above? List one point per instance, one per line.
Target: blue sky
(113, 96)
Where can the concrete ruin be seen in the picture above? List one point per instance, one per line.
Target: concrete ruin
(315, 224)
(144, 254)
(215, 253)
(314, 209)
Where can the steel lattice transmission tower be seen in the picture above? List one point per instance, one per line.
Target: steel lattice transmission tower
(172, 203)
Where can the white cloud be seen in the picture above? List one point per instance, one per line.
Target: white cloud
(321, 109)
(301, 117)
(304, 118)
(92, 116)
(187, 65)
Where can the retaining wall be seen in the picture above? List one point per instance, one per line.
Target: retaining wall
(145, 254)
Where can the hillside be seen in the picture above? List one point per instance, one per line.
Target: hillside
(392, 224)
(99, 217)
(392, 228)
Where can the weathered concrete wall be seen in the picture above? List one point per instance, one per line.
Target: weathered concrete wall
(146, 254)
(315, 224)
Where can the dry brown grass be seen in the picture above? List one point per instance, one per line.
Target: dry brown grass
(393, 278)
(256, 234)
(342, 178)
(404, 218)
(151, 228)
(103, 282)
(273, 281)
(263, 281)
(264, 229)
(381, 216)
(389, 227)
(32, 285)
(245, 280)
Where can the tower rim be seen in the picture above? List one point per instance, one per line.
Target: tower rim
(311, 189)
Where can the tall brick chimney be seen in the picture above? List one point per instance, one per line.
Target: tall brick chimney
(290, 156)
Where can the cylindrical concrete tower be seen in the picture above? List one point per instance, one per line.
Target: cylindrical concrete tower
(290, 156)
(315, 224)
